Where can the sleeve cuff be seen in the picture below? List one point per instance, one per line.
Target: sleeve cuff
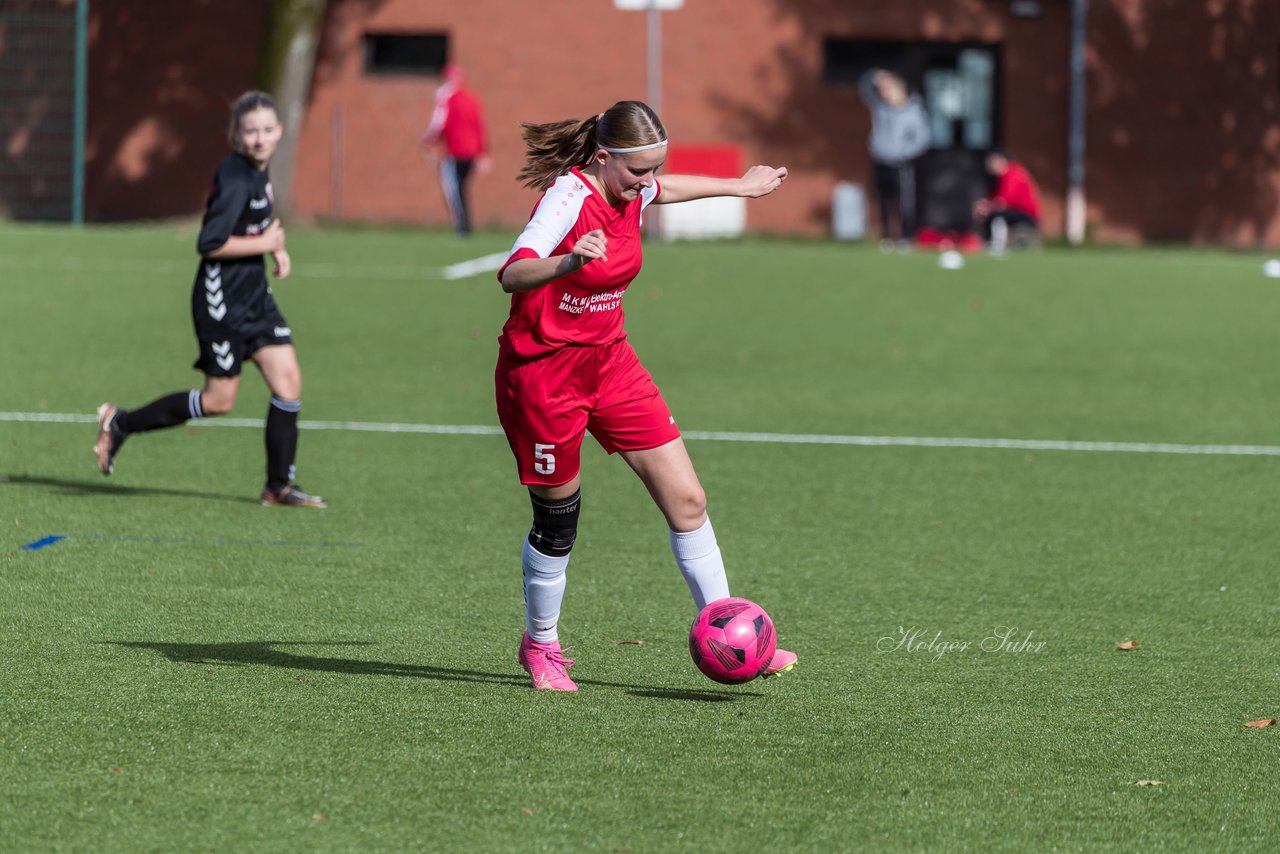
(522, 252)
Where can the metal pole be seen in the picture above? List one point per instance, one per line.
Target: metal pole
(1076, 139)
(337, 137)
(81, 101)
(653, 220)
(654, 15)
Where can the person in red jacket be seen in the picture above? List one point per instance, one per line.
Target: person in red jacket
(1010, 216)
(457, 129)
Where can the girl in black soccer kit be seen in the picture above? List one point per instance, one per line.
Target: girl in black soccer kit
(235, 316)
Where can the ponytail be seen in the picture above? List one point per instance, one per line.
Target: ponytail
(553, 149)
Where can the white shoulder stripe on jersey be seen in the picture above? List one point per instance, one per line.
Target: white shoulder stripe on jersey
(556, 213)
(648, 194)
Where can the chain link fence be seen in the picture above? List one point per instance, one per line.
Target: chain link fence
(41, 113)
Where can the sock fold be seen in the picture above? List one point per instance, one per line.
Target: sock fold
(698, 556)
(544, 583)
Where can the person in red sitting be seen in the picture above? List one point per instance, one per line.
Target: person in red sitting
(1010, 216)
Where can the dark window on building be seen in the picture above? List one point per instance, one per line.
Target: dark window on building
(395, 53)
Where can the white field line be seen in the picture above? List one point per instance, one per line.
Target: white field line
(320, 270)
(174, 268)
(313, 270)
(483, 264)
(716, 436)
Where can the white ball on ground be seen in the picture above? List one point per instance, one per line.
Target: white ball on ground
(1271, 269)
(951, 260)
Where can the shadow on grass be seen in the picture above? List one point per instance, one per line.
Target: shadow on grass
(97, 487)
(266, 653)
(700, 696)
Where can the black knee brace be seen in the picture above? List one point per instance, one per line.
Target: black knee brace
(555, 524)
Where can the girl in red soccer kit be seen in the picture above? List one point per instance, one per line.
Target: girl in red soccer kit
(565, 366)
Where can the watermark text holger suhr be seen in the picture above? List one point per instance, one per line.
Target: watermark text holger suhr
(1003, 640)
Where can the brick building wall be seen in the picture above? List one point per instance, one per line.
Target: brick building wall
(161, 81)
(1183, 119)
(1183, 112)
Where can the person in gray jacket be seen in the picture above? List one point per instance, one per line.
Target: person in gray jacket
(899, 135)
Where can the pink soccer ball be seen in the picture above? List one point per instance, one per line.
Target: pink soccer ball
(732, 640)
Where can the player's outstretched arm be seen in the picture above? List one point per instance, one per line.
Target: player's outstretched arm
(757, 181)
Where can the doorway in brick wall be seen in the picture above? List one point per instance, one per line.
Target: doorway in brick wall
(959, 83)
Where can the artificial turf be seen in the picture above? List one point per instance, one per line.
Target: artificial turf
(188, 670)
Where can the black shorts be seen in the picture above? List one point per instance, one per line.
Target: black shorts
(224, 345)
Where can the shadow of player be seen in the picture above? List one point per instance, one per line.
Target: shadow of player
(270, 654)
(98, 487)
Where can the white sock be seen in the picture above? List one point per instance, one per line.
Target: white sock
(543, 592)
(999, 234)
(698, 557)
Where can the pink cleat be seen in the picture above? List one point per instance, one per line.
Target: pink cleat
(781, 662)
(546, 665)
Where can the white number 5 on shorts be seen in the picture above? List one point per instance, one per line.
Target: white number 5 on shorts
(545, 463)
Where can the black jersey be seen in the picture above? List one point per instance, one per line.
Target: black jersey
(239, 205)
(231, 305)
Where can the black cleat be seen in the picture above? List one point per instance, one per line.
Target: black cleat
(291, 496)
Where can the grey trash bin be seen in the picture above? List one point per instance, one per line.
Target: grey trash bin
(848, 212)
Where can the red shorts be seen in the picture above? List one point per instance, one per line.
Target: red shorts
(547, 405)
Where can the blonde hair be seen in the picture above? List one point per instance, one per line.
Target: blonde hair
(552, 149)
(247, 103)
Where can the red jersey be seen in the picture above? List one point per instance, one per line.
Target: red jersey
(1017, 191)
(583, 308)
(458, 121)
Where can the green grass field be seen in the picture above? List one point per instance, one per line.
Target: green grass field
(189, 671)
